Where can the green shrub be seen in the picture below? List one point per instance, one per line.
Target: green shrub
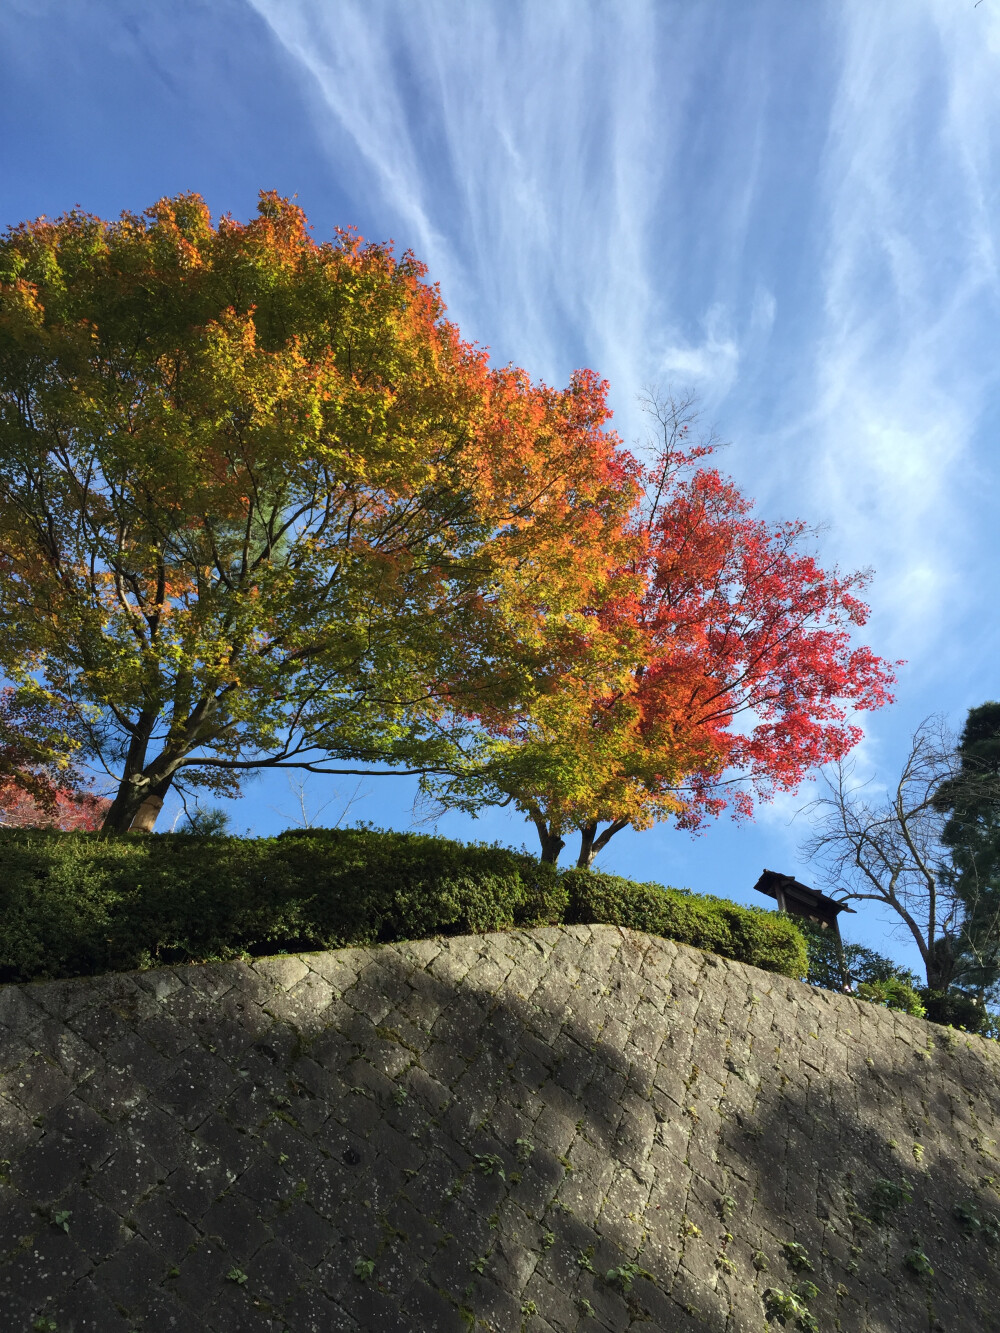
(748, 934)
(74, 905)
(955, 1008)
(893, 993)
(864, 966)
(77, 905)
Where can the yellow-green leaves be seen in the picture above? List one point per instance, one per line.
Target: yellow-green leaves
(260, 504)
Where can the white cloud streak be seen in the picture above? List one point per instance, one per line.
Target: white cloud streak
(585, 181)
(526, 152)
(711, 365)
(903, 360)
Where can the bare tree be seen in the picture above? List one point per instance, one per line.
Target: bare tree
(308, 817)
(885, 846)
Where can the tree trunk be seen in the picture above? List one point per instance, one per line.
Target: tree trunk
(123, 808)
(941, 961)
(145, 817)
(845, 976)
(591, 844)
(552, 845)
(136, 804)
(143, 786)
(134, 785)
(587, 852)
(551, 842)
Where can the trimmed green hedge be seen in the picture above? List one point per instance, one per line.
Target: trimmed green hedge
(748, 934)
(74, 905)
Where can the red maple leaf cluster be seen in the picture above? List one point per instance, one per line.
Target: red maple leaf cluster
(718, 667)
(751, 663)
(62, 808)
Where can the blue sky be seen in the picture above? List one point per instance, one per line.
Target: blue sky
(791, 208)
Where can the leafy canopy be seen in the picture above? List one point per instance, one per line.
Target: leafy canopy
(741, 678)
(261, 505)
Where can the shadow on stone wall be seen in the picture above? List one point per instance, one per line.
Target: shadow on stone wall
(577, 1129)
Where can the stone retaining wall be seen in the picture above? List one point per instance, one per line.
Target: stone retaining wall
(577, 1129)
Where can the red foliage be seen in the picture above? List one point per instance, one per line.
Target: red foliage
(717, 669)
(750, 659)
(51, 807)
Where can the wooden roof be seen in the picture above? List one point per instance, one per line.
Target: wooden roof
(798, 899)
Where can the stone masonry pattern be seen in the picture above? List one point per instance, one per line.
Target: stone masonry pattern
(566, 1130)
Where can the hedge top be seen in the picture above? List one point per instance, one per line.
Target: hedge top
(75, 905)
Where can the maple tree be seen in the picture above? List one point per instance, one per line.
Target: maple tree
(39, 783)
(742, 678)
(70, 811)
(260, 505)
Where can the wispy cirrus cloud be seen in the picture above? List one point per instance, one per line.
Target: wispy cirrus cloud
(902, 360)
(792, 213)
(505, 147)
(533, 155)
(712, 362)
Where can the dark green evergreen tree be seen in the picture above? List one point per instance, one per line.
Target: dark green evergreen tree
(971, 838)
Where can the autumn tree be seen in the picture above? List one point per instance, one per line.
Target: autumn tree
(260, 505)
(743, 672)
(65, 808)
(40, 785)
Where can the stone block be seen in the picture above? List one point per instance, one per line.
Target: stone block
(313, 1112)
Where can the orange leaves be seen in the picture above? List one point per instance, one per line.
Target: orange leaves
(713, 651)
(268, 474)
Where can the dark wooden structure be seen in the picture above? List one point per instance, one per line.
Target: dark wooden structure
(799, 900)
